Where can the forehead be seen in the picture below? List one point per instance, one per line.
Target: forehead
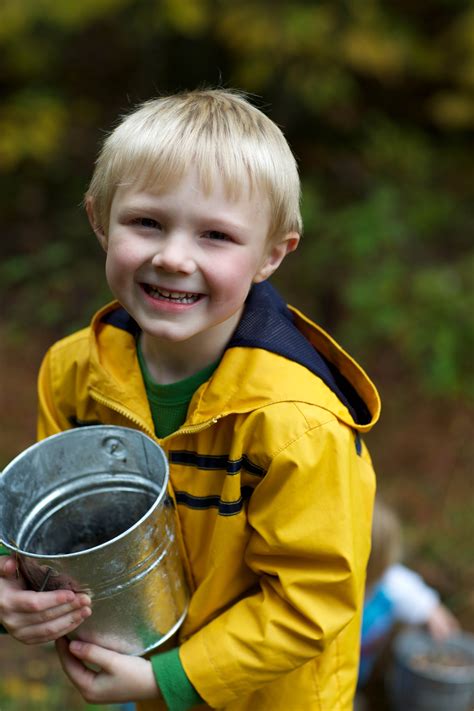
(161, 176)
(210, 185)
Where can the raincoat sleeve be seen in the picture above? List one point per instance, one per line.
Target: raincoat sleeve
(310, 519)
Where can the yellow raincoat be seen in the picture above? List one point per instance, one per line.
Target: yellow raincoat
(274, 490)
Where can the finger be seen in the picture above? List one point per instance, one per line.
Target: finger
(29, 601)
(7, 566)
(73, 667)
(25, 620)
(54, 613)
(50, 631)
(118, 677)
(92, 654)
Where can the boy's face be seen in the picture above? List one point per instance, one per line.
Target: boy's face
(182, 262)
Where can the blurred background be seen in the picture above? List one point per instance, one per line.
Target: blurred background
(376, 98)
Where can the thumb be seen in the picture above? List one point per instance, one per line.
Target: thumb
(93, 654)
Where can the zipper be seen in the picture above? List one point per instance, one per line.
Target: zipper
(124, 412)
(191, 429)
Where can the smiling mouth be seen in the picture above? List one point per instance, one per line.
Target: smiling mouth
(173, 297)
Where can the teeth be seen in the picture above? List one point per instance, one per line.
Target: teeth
(178, 296)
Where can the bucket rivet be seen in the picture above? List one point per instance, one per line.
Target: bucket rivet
(115, 448)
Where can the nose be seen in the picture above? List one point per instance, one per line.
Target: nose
(175, 255)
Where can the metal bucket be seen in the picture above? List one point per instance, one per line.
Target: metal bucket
(432, 676)
(87, 510)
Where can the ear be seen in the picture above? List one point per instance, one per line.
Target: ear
(276, 255)
(95, 224)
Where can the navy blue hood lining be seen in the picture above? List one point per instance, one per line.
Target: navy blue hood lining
(268, 324)
(122, 319)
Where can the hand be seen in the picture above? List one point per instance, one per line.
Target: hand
(37, 617)
(120, 677)
(442, 623)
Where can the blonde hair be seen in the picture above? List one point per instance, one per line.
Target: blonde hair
(216, 131)
(386, 541)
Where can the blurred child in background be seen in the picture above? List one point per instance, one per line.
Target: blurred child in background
(395, 594)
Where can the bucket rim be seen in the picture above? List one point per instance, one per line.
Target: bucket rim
(461, 641)
(16, 550)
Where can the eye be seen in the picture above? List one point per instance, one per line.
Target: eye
(218, 236)
(147, 222)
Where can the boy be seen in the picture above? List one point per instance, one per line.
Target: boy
(195, 199)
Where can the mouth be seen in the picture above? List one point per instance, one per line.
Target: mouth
(172, 297)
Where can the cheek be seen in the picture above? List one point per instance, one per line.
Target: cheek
(120, 262)
(111, 265)
(109, 270)
(118, 277)
(233, 278)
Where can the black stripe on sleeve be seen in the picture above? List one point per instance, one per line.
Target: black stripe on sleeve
(202, 503)
(216, 462)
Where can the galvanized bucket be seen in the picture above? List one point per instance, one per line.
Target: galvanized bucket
(88, 510)
(429, 675)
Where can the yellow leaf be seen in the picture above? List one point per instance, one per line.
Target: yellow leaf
(452, 110)
(188, 16)
(31, 126)
(373, 52)
(13, 19)
(14, 687)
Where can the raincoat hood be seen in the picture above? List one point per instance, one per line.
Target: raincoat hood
(249, 378)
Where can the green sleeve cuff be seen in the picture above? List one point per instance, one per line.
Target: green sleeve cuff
(178, 692)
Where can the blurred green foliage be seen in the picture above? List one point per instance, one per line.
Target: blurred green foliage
(375, 97)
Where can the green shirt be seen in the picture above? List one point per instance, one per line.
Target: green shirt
(169, 403)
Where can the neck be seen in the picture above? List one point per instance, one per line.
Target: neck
(169, 361)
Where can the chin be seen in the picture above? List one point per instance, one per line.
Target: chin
(166, 335)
